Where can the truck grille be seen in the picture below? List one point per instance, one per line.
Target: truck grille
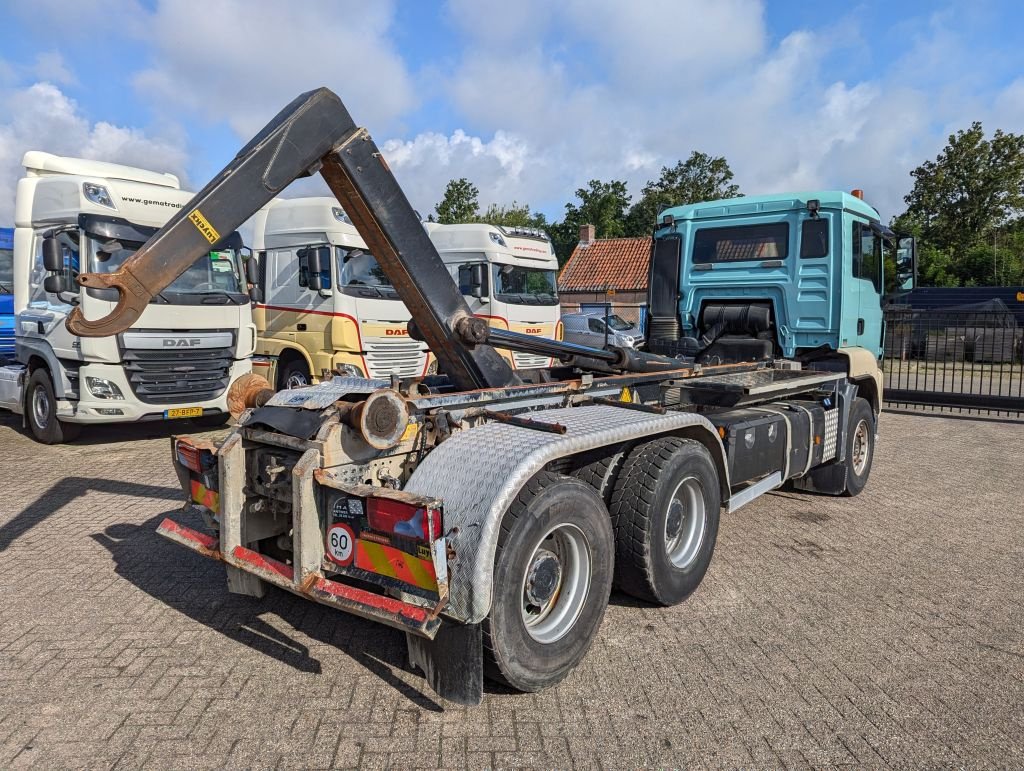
(404, 358)
(166, 377)
(530, 360)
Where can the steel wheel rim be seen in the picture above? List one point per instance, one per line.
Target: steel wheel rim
(550, 621)
(685, 523)
(296, 380)
(861, 447)
(41, 406)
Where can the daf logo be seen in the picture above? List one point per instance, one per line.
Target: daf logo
(396, 332)
(181, 342)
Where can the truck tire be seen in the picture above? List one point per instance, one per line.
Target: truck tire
(666, 507)
(552, 578)
(860, 446)
(600, 471)
(295, 374)
(41, 411)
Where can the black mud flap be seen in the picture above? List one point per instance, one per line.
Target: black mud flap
(830, 479)
(453, 662)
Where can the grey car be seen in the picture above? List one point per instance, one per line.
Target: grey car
(595, 329)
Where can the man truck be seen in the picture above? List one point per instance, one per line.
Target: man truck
(487, 517)
(508, 275)
(327, 307)
(180, 352)
(6, 294)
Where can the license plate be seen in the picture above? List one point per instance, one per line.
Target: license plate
(183, 412)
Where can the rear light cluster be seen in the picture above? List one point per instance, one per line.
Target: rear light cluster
(194, 458)
(404, 519)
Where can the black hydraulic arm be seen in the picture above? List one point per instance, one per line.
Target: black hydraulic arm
(313, 133)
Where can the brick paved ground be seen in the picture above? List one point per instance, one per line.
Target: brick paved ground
(880, 631)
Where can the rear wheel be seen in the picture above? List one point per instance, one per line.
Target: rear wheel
(666, 507)
(860, 446)
(552, 577)
(294, 375)
(41, 411)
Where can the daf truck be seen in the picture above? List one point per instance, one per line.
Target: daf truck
(487, 517)
(326, 306)
(177, 358)
(508, 275)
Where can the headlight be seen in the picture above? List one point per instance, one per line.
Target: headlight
(496, 238)
(348, 370)
(98, 195)
(102, 388)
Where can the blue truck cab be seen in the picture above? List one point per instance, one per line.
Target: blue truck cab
(792, 275)
(6, 293)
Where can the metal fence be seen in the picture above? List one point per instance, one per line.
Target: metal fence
(955, 360)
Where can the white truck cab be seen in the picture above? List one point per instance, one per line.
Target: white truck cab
(176, 361)
(326, 307)
(509, 276)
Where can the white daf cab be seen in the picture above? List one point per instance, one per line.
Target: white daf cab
(509, 276)
(181, 355)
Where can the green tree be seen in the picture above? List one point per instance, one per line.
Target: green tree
(459, 203)
(514, 215)
(700, 178)
(601, 204)
(974, 186)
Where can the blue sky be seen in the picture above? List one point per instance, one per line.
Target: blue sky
(527, 99)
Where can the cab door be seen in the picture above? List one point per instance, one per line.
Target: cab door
(867, 283)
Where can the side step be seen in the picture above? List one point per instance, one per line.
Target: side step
(358, 602)
(749, 493)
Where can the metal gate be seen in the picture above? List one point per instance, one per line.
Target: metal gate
(951, 359)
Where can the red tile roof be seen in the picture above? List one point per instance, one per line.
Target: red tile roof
(607, 263)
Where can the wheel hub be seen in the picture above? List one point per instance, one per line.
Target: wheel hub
(674, 520)
(543, 577)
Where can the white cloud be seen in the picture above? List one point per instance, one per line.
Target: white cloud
(241, 61)
(42, 117)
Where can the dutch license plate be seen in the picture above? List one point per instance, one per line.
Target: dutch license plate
(183, 412)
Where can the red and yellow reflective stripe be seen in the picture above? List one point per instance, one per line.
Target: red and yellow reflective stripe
(395, 563)
(204, 496)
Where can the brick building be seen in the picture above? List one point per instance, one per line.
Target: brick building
(606, 271)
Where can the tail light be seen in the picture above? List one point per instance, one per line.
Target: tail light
(406, 519)
(192, 457)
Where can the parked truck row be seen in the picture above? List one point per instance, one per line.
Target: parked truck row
(311, 303)
(483, 512)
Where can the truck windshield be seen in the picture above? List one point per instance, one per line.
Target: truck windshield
(215, 278)
(6, 271)
(524, 286)
(359, 274)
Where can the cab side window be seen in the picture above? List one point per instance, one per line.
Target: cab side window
(814, 238)
(867, 255)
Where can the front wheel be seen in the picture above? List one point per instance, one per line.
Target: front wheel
(552, 578)
(294, 375)
(860, 446)
(41, 410)
(666, 506)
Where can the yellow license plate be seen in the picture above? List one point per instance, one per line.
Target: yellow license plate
(184, 412)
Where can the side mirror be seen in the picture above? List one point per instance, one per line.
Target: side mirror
(315, 267)
(256, 294)
(56, 283)
(319, 260)
(252, 271)
(53, 255)
(906, 263)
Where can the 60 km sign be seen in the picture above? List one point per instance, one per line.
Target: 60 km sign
(340, 543)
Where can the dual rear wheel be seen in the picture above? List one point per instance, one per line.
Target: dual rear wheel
(559, 553)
